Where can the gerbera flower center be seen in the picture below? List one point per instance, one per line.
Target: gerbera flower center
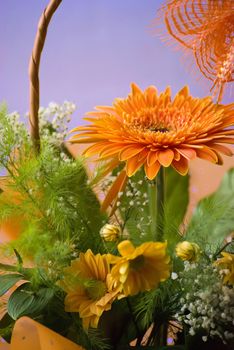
(95, 289)
(158, 129)
(148, 119)
(137, 263)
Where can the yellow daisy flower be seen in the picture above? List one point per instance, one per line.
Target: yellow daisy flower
(141, 268)
(90, 288)
(227, 263)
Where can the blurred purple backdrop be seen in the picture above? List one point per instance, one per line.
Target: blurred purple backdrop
(94, 50)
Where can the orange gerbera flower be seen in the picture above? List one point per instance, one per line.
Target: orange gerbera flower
(151, 130)
(206, 28)
(90, 288)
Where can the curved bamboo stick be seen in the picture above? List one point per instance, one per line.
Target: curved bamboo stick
(34, 64)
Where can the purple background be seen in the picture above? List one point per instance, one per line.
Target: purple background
(94, 50)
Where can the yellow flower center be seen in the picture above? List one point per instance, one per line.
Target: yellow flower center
(137, 263)
(95, 289)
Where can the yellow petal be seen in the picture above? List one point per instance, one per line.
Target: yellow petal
(125, 248)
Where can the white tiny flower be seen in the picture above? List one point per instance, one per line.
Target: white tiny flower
(174, 276)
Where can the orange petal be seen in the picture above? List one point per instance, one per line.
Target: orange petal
(110, 150)
(130, 151)
(223, 149)
(106, 169)
(106, 109)
(95, 149)
(151, 95)
(134, 163)
(152, 157)
(135, 89)
(76, 139)
(165, 157)
(225, 140)
(188, 153)
(116, 187)
(184, 91)
(152, 171)
(176, 155)
(181, 166)
(220, 159)
(207, 154)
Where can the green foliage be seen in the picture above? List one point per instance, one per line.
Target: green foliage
(8, 281)
(56, 205)
(23, 301)
(176, 202)
(91, 339)
(158, 305)
(213, 219)
(138, 210)
(134, 208)
(52, 198)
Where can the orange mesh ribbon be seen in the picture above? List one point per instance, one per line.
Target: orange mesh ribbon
(206, 28)
(30, 335)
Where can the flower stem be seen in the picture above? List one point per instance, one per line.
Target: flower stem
(156, 193)
(160, 217)
(152, 195)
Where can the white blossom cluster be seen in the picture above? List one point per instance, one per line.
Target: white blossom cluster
(12, 130)
(209, 306)
(53, 121)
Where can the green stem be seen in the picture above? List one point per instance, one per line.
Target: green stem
(152, 195)
(156, 192)
(224, 247)
(160, 217)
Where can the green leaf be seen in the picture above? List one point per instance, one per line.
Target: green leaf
(176, 202)
(176, 199)
(8, 281)
(26, 302)
(213, 218)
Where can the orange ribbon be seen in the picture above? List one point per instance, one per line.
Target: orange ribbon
(28, 334)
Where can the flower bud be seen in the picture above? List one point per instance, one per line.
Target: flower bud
(110, 233)
(188, 251)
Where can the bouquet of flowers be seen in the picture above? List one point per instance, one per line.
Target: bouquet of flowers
(102, 258)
